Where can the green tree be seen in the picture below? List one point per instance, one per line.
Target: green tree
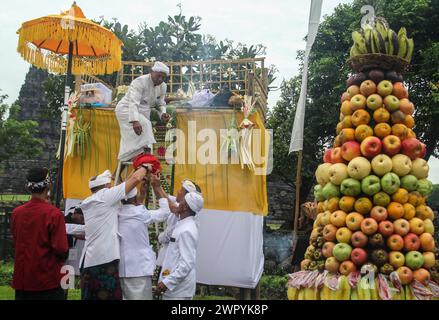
(328, 72)
(17, 138)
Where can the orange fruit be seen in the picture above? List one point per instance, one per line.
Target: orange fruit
(360, 116)
(411, 133)
(382, 130)
(347, 134)
(395, 210)
(415, 198)
(409, 121)
(424, 212)
(332, 204)
(346, 203)
(346, 108)
(400, 130)
(337, 142)
(362, 132)
(409, 211)
(401, 196)
(339, 127)
(363, 205)
(320, 207)
(381, 115)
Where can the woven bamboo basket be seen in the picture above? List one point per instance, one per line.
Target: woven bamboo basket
(365, 62)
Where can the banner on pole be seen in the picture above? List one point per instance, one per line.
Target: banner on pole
(296, 143)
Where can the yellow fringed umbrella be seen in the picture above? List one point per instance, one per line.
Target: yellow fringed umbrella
(69, 43)
(45, 43)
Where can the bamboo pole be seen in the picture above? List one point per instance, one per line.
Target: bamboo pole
(297, 205)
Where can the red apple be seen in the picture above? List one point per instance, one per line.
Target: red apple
(327, 156)
(401, 227)
(359, 256)
(424, 150)
(391, 145)
(370, 147)
(347, 267)
(336, 156)
(359, 239)
(395, 242)
(378, 213)
(369, 226)
(411, 242)
(412, 148)
(405, 275)
(327, 249)
(385, 228)
(350, 150)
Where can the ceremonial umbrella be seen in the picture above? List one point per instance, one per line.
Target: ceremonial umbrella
(69, 43)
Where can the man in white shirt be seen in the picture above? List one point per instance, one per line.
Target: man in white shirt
(100, 256)
(133, 111)
(178, 279)
(137, 258)
(165, 236)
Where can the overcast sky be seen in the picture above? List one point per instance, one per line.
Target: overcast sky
(280, 25)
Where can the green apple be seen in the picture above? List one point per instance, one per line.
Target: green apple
(318, 195)
(350, 187)
(390, 183)
(337, 173)
(330, 190)
(385, 88)
(371, 185)
(391, 103)
(322, 174)
(381, 199)
(374, 101)
(381, 164)
(414, 260)
(342, 251)
(429, 226)
(401, 165)
(359, 168)
(420, 168)
(425, 187)
(409, 182)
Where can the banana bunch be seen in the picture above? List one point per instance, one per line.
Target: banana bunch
(382, 39)
(344, 289)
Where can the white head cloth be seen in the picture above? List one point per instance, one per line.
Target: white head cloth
(189, 186)
(100, 180)
(195, 201)
(160, 67)
(131, 194)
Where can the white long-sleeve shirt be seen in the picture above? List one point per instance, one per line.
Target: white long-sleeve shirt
(178, 271)
(141, 97)
(101, 211)
(165, 236)
(137, 258)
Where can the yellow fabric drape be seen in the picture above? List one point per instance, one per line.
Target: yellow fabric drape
(224, 186)
(105, 139)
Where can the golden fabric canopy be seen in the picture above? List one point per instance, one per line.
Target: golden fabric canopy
(45, 42)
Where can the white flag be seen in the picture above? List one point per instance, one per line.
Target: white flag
(296, 143)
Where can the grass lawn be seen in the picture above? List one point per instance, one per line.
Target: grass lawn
(7, 293)
(14, 197)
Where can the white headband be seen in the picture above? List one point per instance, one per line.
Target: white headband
(195, 201)
(189, 186)
(100, 180)
(160, 67)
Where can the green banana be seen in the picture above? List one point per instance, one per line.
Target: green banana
(354, 293)
(359, 42)
(409, 293)
(292, 293)
(376, 47)
(402, 43)
(393, 42)
(382, 30)
(311, 294)
(325, 293)
(399, 296)
(368, 39)
(344, 289)
(411, 45)
(363, 289)
(301, 295)
(374, 295)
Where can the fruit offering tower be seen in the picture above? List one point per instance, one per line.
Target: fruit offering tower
(373, 235)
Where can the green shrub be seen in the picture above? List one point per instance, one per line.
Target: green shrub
(6, 273)
(273, 287)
